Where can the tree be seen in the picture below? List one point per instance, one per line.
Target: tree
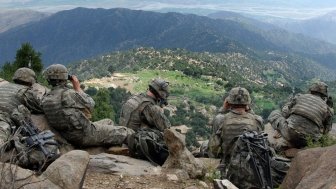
(102, 109)
(26, 56)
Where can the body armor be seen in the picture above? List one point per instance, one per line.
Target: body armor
(311, 107)
(11, 96)
(235, 124)
(131, 111)
(61, 116)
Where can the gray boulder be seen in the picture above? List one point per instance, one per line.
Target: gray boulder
(312, 168)
(119, 164)
(67, 172)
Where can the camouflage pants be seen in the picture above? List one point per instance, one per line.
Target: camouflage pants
(5, 131)
(99, 134)
(295, 129)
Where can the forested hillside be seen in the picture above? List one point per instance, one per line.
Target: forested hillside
(199, 81)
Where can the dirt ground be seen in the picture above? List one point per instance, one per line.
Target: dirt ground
(94, 180)
(109, 181)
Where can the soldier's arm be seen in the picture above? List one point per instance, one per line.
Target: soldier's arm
(328, 121)
(30, 100)
(155, 116)
(217, 122)
(288, 106)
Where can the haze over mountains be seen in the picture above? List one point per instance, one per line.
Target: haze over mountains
(82, 33)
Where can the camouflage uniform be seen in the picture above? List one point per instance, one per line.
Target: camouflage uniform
(215, 138)
(15, 99)
(69, 111)
(235, 122)
(142, 111)
(304, 116)
(143, 114)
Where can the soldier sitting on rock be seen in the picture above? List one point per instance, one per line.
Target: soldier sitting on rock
(305, 116)
(241, 143)
(144, 115)
(69, 111)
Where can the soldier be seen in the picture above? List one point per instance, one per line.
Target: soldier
(304, 116)
(69, 112)
(16, 101)
(237, 119)
(143, 114)
(239, 163)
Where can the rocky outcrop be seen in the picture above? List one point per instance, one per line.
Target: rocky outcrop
(67, 172)
(312, 169)
(180, 157)
(118, 164)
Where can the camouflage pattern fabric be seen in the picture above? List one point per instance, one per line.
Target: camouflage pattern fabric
(148, 144)
(235, 124)
(141, 111)
(67, 112)
(214, 145)
(14, 149)
(254, 168)
(304, 116)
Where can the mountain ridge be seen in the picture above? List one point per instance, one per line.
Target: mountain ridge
(82, 33)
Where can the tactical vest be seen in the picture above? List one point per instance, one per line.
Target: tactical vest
(11, 96)
(235, 124)
(311, 107)
(63, 112)
(132, 109)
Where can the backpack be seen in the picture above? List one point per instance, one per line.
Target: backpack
(248, 161)
(148, 144)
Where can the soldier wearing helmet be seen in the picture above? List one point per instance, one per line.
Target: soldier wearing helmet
(69, 112)
(143, 113)
(235, 121)
(18, 100)
(27, 77)
(304, 116)
(24, 76)
(144, 110)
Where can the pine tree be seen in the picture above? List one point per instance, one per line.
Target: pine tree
(26, 56)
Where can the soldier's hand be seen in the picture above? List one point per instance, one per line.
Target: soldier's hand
(75, 83)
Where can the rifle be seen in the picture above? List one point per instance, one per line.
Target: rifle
(34, 138)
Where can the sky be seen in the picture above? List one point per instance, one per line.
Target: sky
(295, 9)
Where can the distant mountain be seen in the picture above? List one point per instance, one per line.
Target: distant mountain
(322, 27)
(249, 22)
(12, 18)
(81, 33)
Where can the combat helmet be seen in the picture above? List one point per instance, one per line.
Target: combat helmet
(24, 76)
(239, 95)
(56, 72)
(319, 87)
(159, 87)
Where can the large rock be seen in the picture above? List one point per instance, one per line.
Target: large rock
(180, 157)
(312, 168)
(67, 172)
(119, 164)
